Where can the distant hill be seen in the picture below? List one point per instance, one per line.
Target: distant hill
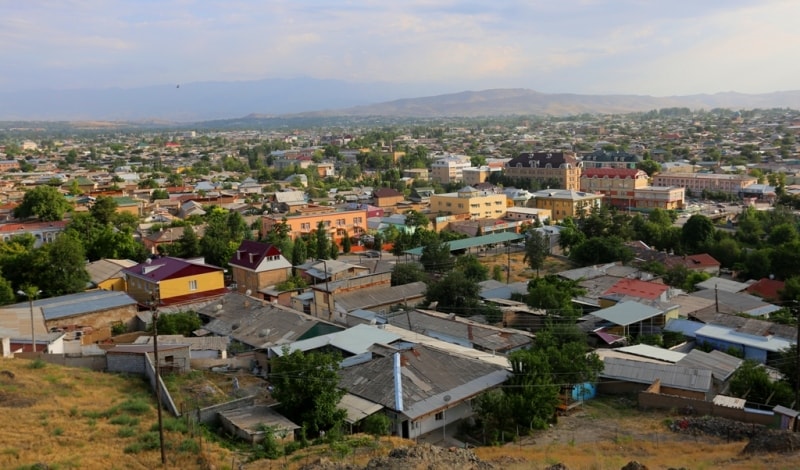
(500, 102)
(306, 98)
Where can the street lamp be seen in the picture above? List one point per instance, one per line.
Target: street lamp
(31, 294)
(153, 304)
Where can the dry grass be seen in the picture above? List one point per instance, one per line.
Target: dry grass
(76, 418)
(519, 269)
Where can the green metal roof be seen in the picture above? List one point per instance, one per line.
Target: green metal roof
(467, 243)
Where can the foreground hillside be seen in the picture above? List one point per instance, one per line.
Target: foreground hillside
(76, 418)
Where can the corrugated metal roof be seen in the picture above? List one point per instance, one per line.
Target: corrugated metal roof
(367, 298)
(722, 284)
(687, 327)
(729, 402)
(357, 408)
(646, 373)
(432, 380)
(645, 350)
(355, 340)
(766, 343)
(473, 242)
(79, 304)
(626, 313)
(722, 365)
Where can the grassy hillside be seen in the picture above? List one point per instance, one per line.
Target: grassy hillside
(76, 418)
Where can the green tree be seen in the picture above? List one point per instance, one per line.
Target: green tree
(417, 219)
(321, 247)
(103, 209)
(346, 244)
(436, 256)
(7, 292)
(179, 323)
(697, 233)
(554, 294)
(44, 202)
(455, 293)
(406, 273)
(472, 268)
(334, 253)
(189, 243)
(537, 247)
(751, 381)
(159, 193)
(306, 384)
(597, 250)
(650, 167)
(65, 268)
(299, 253)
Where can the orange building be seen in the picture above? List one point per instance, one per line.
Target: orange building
(618, 185)
(339, 224)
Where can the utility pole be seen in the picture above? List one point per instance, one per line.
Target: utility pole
(508, 263)
(154, 309)
(797, 361)
(31, 293)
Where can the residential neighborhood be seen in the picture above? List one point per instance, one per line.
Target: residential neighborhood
(434, 270)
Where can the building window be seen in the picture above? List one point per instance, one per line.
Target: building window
(193, 285)
(439, 416)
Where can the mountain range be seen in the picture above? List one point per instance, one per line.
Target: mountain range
(311, 98)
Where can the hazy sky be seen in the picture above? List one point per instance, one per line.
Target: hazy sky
(655, 47)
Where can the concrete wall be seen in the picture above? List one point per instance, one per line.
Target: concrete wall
(100, 322)
(210, 414)
(649, 400)
(96, 363)
(126, 363)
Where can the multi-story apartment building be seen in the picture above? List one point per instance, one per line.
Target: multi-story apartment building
(616, 184)
(474, 176)
(449, 169)
(468, 200)
(560, 169)
(564, 203)
(651, 197)
(699, 182)
(605, 159)
(339, 224)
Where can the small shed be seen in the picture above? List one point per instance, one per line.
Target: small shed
(130, 358)
(786, 418)
(250, 423)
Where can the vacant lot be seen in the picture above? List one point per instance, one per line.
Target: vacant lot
(520, 271)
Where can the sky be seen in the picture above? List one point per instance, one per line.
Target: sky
(657, 47)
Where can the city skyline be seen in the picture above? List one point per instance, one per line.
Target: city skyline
(428, 46)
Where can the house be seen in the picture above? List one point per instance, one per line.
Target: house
(766, 288)
(258, 324)
(337, 224)
(470, 201)
(618, 185)
(256, 266)
(631, 318)
(454, 329)
(106, 274)
(380, 299)
(325, 294)
(627, 376)
(133, 358)
(387, 197)
(449, 169)
(659, 197)
(288, 201)
(636, 288)
(330, 270)
(421, 195)
(751, 344)
(251, 423)
(702, 262)
(166, 236)
(734, 302)
(16, 322)
(206, 347)
(173, 281)
(721, 365)
(549, 169)
(422, 388)
(567, 203)
(42, 232)
(88, 316)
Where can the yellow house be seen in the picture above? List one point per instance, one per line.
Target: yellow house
(173, 281)
(564, 203)
(468, 200)
(107, 274)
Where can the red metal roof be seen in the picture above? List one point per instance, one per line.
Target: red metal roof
(766, 288)
(638, 288)
(258, 250)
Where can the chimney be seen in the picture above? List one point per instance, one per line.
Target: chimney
(251, 256)
(398, 384)
(238, 254)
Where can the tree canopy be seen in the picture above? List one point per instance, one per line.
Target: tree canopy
(306, 384)
(44, 202)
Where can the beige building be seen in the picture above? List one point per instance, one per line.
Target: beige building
(563, 203)
(468, 200)
(661, 197)
(449, 169)
(616, 184)
(474, 176)
(549, 169)
(699, 182)
(339, 224)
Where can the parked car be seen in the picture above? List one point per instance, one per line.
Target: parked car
(372, 254)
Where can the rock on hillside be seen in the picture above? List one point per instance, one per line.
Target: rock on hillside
(419, 456)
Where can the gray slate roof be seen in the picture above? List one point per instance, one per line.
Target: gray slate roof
(432, 380)
(460, 331)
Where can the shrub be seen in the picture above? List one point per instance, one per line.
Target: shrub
(127, 431)
(190, 446)
(124, 420)
(135, 406)
(37, 363)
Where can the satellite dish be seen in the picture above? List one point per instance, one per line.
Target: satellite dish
(446, 398)
(248, 292)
